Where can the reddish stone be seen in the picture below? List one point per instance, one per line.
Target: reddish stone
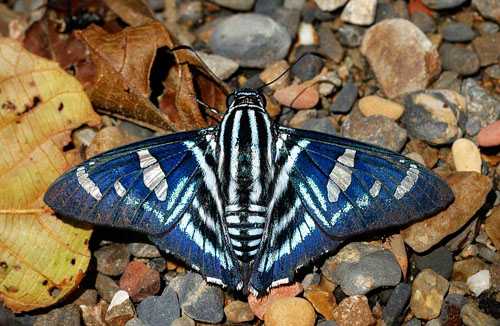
(140, 281)
(297, 97)
(489, 135)
(259, 305)
(354, 311)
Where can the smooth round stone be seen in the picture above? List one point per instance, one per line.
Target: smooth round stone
(290, 312)
(424, 21)
(442, 4)
(297, 97)
(387, 45)
(238, 312)
(359, 12)
(440, 260)
(434, 116)
(375, 105)
(479, 282)
(397, 303)
(354, 311)
(490, 135)
(324, 125)
(266, 7)
(236, 4)
(346, 97)
(222, 67)
(480, 105)
(361, 267)
(455, 58)
(376, 129)
(135, 322)
(457, 32)
(466, 155)
(159, 310)
(488, 9)
(330, 5)
(252, 40)
(322, 300)
(487, 47)
(143, 250)
(183, 321)
(260, 305)
(428, 293)
(493, 71)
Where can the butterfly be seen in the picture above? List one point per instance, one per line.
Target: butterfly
(248, 202)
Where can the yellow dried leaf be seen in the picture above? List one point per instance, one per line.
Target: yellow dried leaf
(42, 258)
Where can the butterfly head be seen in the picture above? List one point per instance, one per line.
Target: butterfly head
(246, 98)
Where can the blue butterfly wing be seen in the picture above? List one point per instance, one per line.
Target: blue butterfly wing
(350, 188)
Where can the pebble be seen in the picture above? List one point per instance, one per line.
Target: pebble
(470, 191)
(354, 311)
(324, 125)
(112, 259)
(159, 310)
(183, 321)
(450, 310)
(329, 43)
(345, 98)
(297, 96)
(222, 67)
(87, 297)
(135, 322)
(413, 322)
(93, 315)
(396, 305)
(198, 300)
(466, 155)
(434, 116)
(493, 71)
(472, 316)
(67, 315)
(238, 312)
(457, 32)
(486, 28)
(488, 9)
(376, 129)
(252, 40)
(463, 269)
(322, 300)
(328, 82)
(120, 310)
(301, 117)
(309, 66)
(455, 58)
(9, 318)
(307, 34)
(273, 71)
(289, 18)
(351, 35)
(140, 281)
(442, 4)
(360, 267)
(480, 105)
(428, 153)
(492, 227)
(158, 264)
(488, 48)
(330, 5)
(448, 80)
(290, 312)
(106, 287)
(427, 294)
(424, 22)
(143, 250)
(359, 12)
(479, 282)
(327, 323)
(260, 305)
(373, 105)
(439, 259)
(236, 4)
(267, 6)
(386, 46)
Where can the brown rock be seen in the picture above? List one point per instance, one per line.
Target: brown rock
(427, 294)
(401, 56)
(371, 105)
(290, 312)
(120, 310)
(238, 312)
(113, 259)
(297, 96)
(140, 281)
(467, 267)
(273, 71)
(429, 154)
(489, 135)
(492, 227)
(322, 300)
(93, 315)
(106, 287)
(301, 117)
(260, 305)
(488, 48)
(470, 189)
(353, 311)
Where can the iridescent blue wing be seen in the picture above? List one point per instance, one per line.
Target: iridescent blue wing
(350, 188)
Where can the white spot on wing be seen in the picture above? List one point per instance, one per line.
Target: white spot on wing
(408, 182)
(88, 185)
(120, 190)
(375, 189)
(340, 177)
(215, 281)
(280, 282)
(153, 175)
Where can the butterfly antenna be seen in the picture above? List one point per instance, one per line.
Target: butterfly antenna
(187, 47)
(213, 110)
(293, 64)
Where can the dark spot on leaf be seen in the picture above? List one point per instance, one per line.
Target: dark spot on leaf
(9, 106)
(17, 267)
(32, 83)
(45, 282)
(61, 106)
(3, 265)
(54, 291)
(36, 101)
(86, 242)
(127, 90)
(73, 261)
(12, 289)
(445, 105)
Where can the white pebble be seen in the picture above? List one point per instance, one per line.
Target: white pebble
(466, 155)
(118, 299)
(479, 282)
(307, 34)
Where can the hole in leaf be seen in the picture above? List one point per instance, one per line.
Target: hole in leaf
(3, 265)
(45, 282)
(54, 291)
(73, 261)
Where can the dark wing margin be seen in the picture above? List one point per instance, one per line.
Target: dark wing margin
(350, 188)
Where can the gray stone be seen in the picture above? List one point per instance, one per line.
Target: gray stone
(183, 321)
(324, 125)
(480, 105)
(439, 259)
(309, 66)
(112, 259)
(487, 28)
(451, 308)
(488, 9)
(385, 10)
(346, 97)
(294, 4)
(330, 5)
(252, 40)
(143, 250)
(361, 267)
(457, 32)
(221, 66)
(236, 4)
(159, 310)
(350, 35)
(200, 301)
(472, 316)
(488, 48)
(493, 71)
(135, 322)
(413, 322)
(10, 319)
(464, 236)
(106, 287)
(329, 44)
(435, 116)
(442, 4)
(424, 21)
(67, 315)
(289, 18)
(376, 130)
(327, 323)
(455, 58)
(266, 7)
(448, 80)
(396, 305)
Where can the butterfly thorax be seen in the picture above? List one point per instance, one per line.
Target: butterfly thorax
(246, 148)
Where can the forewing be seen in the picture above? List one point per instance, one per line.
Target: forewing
(145, 186)
(350, 188)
